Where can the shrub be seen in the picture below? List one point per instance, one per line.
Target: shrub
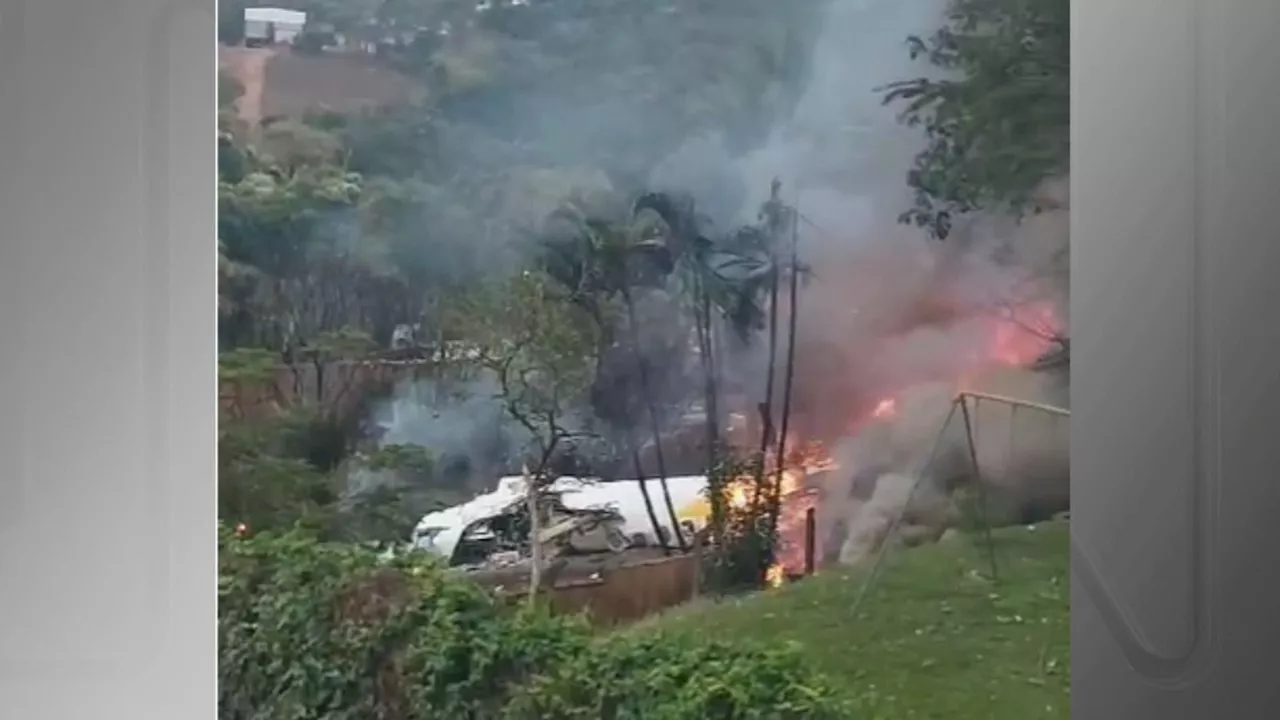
(673, 677)
(309, 629)
(745, 543)
(316, 630)
(294, 470)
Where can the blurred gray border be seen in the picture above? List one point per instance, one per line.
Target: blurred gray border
(1174, 415)
(107, 554)
(107, 567)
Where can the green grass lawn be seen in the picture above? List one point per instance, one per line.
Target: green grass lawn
(934, 637)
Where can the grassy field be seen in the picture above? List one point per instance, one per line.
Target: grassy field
(934, 637)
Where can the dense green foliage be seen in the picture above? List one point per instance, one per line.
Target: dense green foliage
(744, 542)
(337, 631)
(333, 631)
(998, 120)
(639, 677)
(294, 472)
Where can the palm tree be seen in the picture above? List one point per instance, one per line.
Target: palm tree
(642, 365)
(775, 507)
(734, 273)
(772, 217)
(600, 259)
(724, 276)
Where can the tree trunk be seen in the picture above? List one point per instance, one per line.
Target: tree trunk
(535, 529)
(441, 354)
(793, 292)
(644, 494)
(766, 408)
(715, 480)
(646, 390)
(707, 354)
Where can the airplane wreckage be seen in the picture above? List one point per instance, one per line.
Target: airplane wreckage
(580, 517)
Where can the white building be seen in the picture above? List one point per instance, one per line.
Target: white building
(272, 26)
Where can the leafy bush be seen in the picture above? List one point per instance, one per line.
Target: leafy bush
(999, 124)
(670, 677)
(292, 472)
(267, 478)
(314, 630)
(744, 542)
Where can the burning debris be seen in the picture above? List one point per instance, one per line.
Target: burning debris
(878, 478)
(867, 412)
(914, 460)
(583, 518)
(495, 529)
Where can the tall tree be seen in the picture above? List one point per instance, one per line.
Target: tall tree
(792, 219)
(538, 346)
(997, 120)
(599, 259)
(722, 278)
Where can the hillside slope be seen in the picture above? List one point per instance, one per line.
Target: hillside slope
(279, 82)
(933, 637)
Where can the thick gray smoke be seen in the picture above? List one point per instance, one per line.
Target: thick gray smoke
(842, 158)
(460, 424)
(887, 312)
(890, 314)
(463, 424)
(841, 154)
(879, 310)
(463, 421)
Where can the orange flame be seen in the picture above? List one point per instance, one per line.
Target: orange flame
(775, 575)
(1018, 338)
(1024, 334)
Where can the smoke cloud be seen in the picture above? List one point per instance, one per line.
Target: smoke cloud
(887, 313)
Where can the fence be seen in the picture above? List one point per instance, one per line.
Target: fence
(609, 596)
(624, 593)
(630, 592)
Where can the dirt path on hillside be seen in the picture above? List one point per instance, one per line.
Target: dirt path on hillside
(249, 67)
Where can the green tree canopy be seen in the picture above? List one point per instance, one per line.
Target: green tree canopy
(997, 119)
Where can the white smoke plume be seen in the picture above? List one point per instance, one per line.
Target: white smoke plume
(888, 312)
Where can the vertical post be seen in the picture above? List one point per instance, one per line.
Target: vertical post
(696, 568)
(810, 539)
(978, 484)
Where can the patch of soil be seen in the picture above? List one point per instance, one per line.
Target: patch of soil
(279, 82)
(296, 84)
